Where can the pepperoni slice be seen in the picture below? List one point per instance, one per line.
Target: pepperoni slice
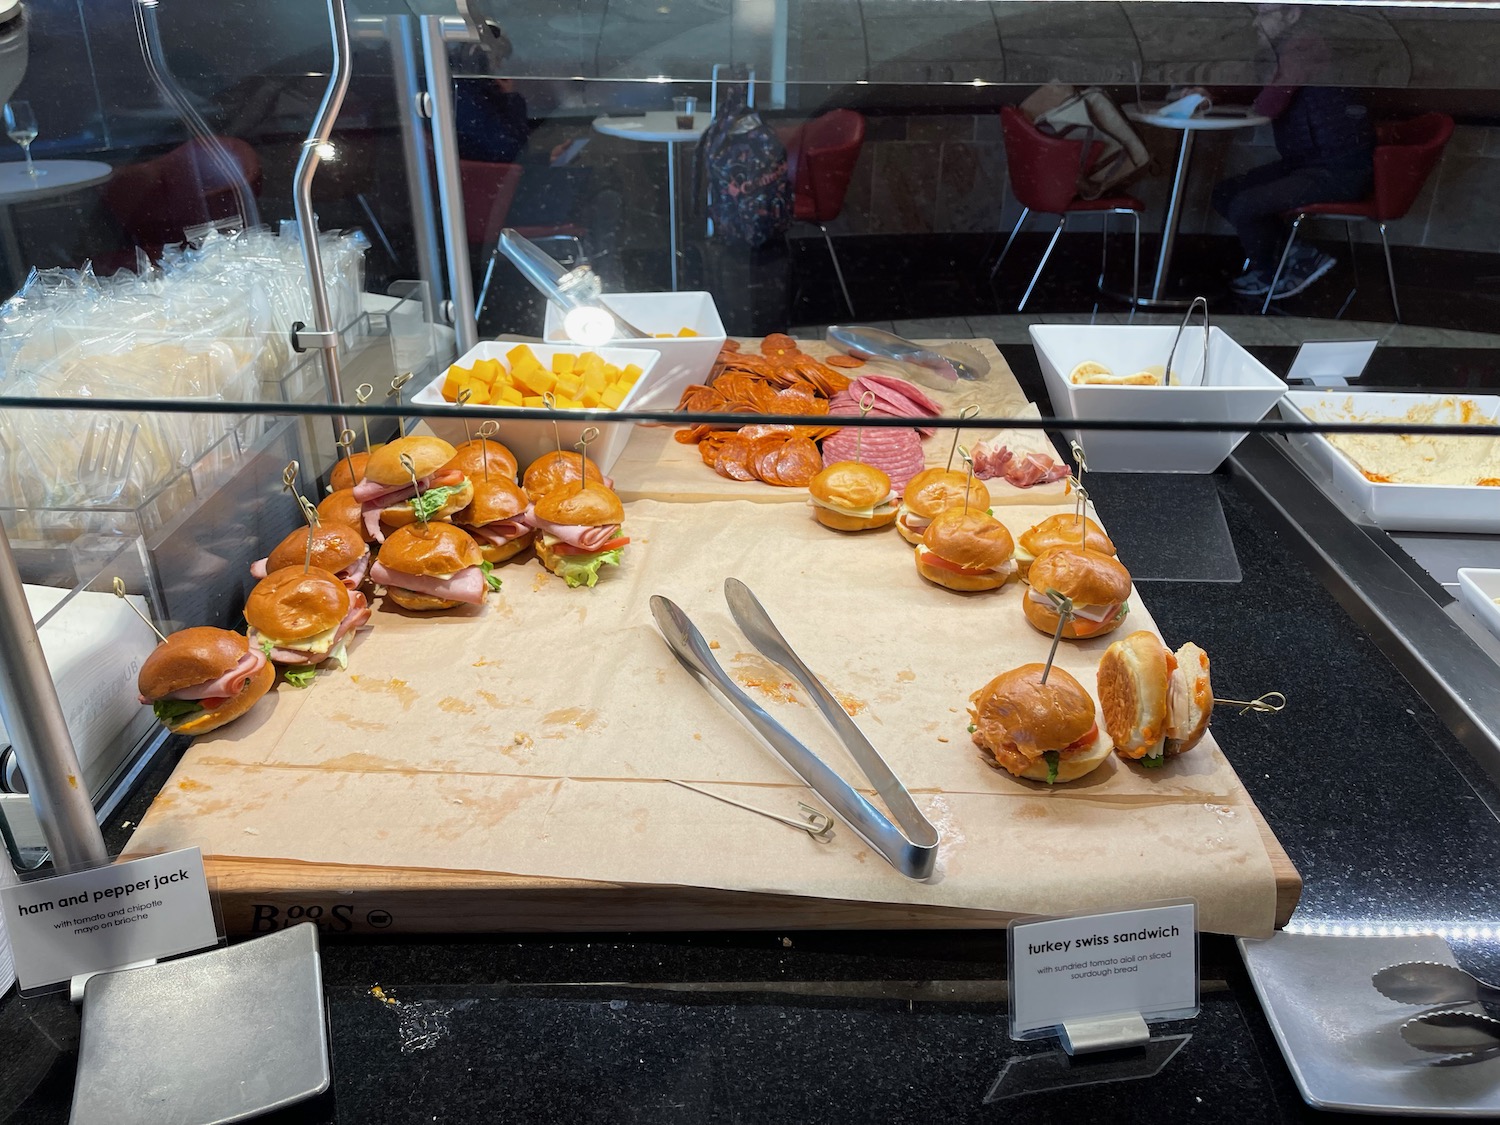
(798, 462)
(843, 361)
(778, 342)
(730, 346)
(733, 457)
(764, 454)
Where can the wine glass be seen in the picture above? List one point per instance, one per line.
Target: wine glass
(20, 126)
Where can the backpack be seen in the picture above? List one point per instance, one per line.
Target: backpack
(1090, 117)
(741, 173)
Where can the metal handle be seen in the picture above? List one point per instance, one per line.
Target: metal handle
(1202, 375)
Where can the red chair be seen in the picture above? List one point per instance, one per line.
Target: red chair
(1043, 174)
(1406, 152)
(488, 191)
(157, 199)
(820, 161)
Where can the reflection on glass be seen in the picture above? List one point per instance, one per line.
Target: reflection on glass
(20, 126)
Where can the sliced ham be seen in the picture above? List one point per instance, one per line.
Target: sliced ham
(500, 532)
(467, 585)
(358, 614)
(587, 538)
(229, 684)
(351, 576)
(369, 491)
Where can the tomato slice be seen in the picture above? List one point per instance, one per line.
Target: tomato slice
(213, 701)
(1086, 740)
(447, 478)
(931, 558)
(1085, 628)
(569, 549)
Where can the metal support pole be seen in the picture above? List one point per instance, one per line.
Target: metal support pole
(402, 38)
(325, 332)
(1169, 226)
(34, 718)
(450, 186)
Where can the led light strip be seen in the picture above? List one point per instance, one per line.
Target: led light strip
(1451, 929)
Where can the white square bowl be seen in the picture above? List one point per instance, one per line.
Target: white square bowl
(1478, 590)
(685, 360)
(1237, 388)
(528, 440)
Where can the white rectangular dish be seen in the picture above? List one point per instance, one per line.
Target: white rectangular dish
(685, 360)
(528, 440)
(1236, 388)
(1479, 590)
(1473, 509)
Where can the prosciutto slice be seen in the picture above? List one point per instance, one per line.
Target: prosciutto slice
(1026, 471)
(359, 613)
(231, 683)
(467, 585)
(586, 538)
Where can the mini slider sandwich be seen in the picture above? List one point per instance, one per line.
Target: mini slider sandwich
(931, 491)
(1097, 584)
(1040, 731)
(966, 551)
(497, 518)
(852, 496)
(388, 496)
(348, 471)
(201, 678)
(551, 471)
(1156, 703)
(578, 531)
(337, 548)
(342, 507)
(428, 566)
(1061, 530)
(302, 617)
(472, 458)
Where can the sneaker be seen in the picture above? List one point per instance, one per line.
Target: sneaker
(1302, 272)
(1251, 283)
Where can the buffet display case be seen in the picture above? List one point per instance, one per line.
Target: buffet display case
(583, 721)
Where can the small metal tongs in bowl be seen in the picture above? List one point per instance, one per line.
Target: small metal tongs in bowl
(912, 847)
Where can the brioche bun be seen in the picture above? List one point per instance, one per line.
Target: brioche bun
(190, 657)
(335, 546)
(592, 505)
(228, 711)
(342, 477)
(406, 599)
(291, 604)
(429, 550)
(501, 552)
(342, 507)
(552, 470)
(1061, 530)
(969, 539)
(499, 498)
(1089, 578)
(1018, 720)
(1132, 682)
(849, 486)
(428, 455)
(931, 491)
(471, 457)
(1190, 700)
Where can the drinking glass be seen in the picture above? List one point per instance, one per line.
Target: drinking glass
(20, 126)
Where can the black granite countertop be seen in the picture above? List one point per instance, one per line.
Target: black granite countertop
(1385, 815)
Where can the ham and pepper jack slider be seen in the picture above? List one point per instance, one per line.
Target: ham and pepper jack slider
(301, 616)
(498, 518)
(1156, 703)
(433, 565)
(390, 499)
(198, 679)
(337, 548)
(578, 531)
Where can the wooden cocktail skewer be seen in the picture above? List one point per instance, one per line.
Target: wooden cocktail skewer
(289, 482)
(311, 515)
(395, 392)
(582, 445)
(463, 400)
(362, 395)
(486, 431)
(1262, 703)
(866, 404)
(549, 400)
(346, 443)
(1081, 495)
(119, 588)
(1064, 615)
(966, 412)
(969, 479)
(416, 500)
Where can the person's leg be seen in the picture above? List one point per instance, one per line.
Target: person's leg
(1255, 211)
(1307, 263)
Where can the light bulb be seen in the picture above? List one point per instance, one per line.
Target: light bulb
(589, 325)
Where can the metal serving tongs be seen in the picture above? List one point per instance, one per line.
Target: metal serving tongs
(1166, 375)
(937, 366)
(568, 289)
(911, 848)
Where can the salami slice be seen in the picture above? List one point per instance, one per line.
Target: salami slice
(896, 452)
(798, 462)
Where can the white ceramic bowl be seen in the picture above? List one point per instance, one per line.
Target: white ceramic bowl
(685, 360)
(1395, 507)
(528, 440)
(1237, 388)
(1478, 589)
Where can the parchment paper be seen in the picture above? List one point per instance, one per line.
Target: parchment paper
(531, 737)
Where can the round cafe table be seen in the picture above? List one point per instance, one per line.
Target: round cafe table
(1216, 120)
(658, 127)
(60, 177)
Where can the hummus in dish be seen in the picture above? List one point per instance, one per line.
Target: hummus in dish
(1430, 459)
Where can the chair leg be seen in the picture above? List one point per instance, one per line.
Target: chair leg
(1025, 211)
(1103, 249)
(837, 269)
(1061, 222)
(1390, 273)
(484, 289)
(1281, 265)
(1135, 275)
(1354, 265)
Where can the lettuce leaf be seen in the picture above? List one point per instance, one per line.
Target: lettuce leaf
(1149, 762)
(1052, 759)
(340, 655)
(266, 647)
(301, 677)
(583, 570)
(427, 505)
(168, 709)
(490, 578)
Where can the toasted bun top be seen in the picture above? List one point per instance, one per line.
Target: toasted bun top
(851, 484)
(470, 457)
(428, 455)
(971, 538)
(335, 546)
(342, 477)
(1062, 530)
(552, 470)
(498, 498)
(1016, 707)
(291, 605)
(593, 505)
(430, 549)
(1088, 577)
(189, 657)
(932, 490)
(340, 507)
